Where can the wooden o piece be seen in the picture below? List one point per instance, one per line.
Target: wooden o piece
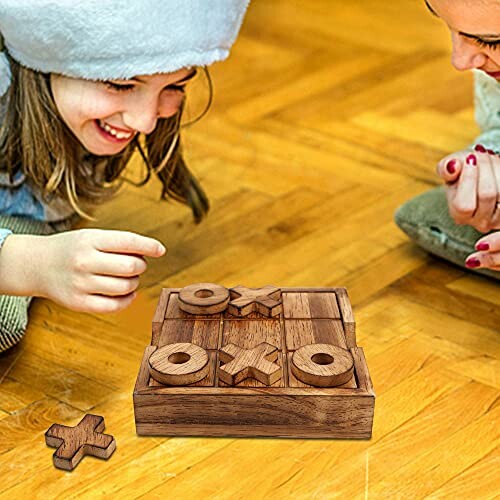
(257, 362)
(179, 364)
(203, 298)
(72, 443)
(322, 365)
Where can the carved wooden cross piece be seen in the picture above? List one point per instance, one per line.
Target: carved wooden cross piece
(265, 300)
(73, 443)
(257, 363)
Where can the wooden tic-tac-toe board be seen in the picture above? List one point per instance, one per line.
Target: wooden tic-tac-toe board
(254, 362)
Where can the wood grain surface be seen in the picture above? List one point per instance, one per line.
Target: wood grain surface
(188, 389)
(73, 443)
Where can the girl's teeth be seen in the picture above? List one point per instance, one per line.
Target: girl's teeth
(118, 135)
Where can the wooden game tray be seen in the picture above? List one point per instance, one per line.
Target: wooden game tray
(286, 408)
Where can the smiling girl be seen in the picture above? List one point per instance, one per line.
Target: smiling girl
(82, 86)
(452, 221)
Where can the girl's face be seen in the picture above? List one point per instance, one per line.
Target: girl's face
(475, 32)
(105, 116)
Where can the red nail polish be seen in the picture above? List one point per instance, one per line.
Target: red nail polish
(450, 166)
(482, 246)
(472, 262)
(471, 160)
(480, 148)
(491, 152)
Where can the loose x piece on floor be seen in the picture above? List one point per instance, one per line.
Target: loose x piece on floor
(254, 362)
(72, 443)
(242, 362)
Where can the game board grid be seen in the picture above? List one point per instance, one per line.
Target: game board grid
(213, 379)
(360, 385)
(334, 310)
(317, 305)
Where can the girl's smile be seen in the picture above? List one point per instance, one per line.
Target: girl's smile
(105, 116)
(113, 134)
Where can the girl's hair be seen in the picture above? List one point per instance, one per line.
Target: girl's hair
(35, 139)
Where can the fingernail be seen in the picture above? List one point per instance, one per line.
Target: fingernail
(472, 262)
(482, 246)
(491, 152)
(161, 249)
(471, 160)
(480, 148)
(450, 166)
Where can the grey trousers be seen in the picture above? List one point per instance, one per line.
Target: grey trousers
(13, 309)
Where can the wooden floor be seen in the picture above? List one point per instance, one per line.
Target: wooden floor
(327, 116)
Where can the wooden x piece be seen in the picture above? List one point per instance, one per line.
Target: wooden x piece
(257, 363)
(265, 300)
(73, 443)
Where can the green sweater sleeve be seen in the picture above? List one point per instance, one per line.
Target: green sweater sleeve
(487, 110)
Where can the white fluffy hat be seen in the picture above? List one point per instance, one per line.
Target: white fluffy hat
(116, 39)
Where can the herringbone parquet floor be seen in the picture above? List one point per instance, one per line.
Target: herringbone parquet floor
(327, 116)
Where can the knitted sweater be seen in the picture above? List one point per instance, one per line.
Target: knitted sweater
(487, 105)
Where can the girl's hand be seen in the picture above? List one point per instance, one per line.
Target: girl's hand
(94, 270)
(473, 187)
(488, 255)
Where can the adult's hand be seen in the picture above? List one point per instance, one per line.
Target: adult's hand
(488, 254)
(472, 185)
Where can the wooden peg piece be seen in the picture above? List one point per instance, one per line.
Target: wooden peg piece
(257, 363)
(322, 365)
(179, 364)
(203, 298)
(265, 300)
(73, 443)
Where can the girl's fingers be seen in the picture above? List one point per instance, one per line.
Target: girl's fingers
(465, 203)
(118, 264)
(125, 242)
(111, 286)
(102, 304)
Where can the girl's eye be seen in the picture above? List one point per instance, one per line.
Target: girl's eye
(490, 45)
(124, 87)
(116, 86)
(179, 88)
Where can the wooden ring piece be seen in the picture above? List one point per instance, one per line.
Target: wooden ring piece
(322, 365)
(203, 298)
(179, 364)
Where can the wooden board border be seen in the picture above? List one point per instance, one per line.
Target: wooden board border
(317, 412)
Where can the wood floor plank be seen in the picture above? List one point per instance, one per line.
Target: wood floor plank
(33, 376)
(479, 477)
(15, 395)
(452, 456)
(390, 454)
(327, 116)
(424, 287)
